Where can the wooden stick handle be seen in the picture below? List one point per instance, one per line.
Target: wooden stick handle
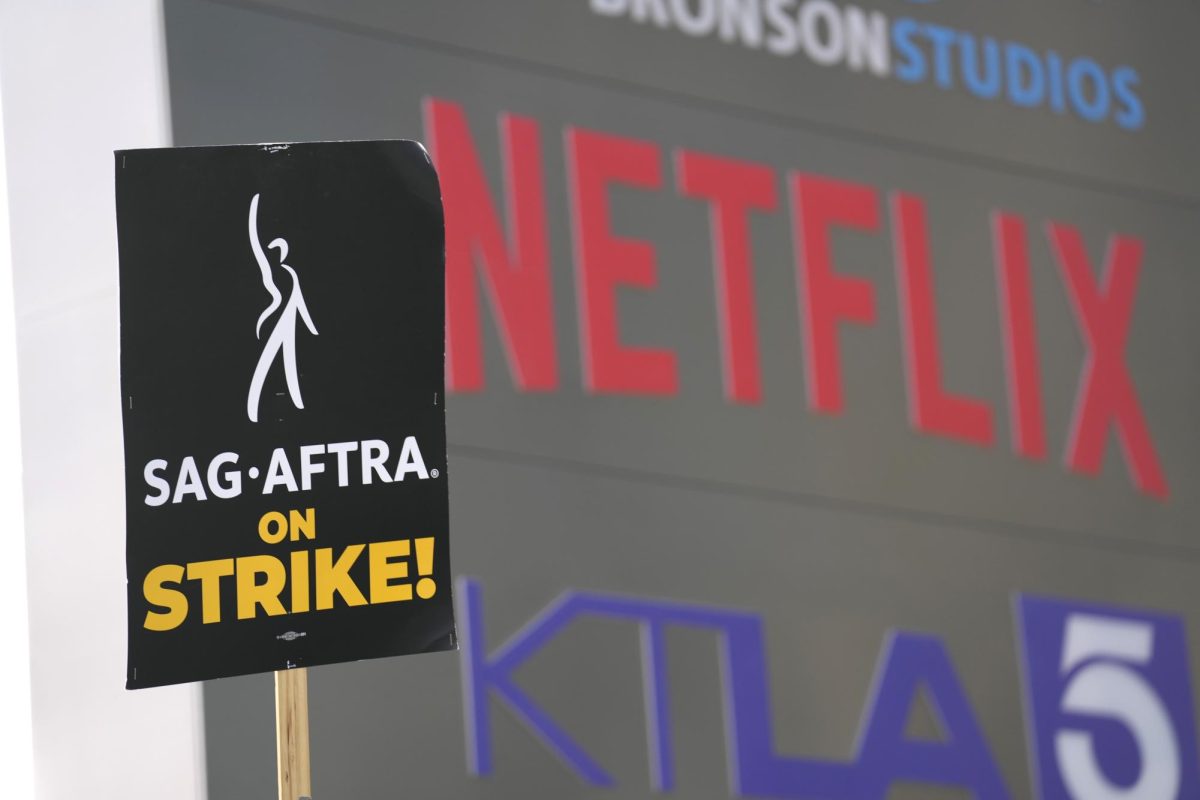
(291, 734)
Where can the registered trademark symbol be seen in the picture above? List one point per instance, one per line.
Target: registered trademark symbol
(433, 473)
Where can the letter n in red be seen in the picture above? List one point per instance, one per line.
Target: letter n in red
(517, 280)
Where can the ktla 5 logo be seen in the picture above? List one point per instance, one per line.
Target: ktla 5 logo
(1110, 709)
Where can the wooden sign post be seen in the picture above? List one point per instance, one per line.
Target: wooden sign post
(291, 734)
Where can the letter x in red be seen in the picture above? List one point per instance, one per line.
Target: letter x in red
(1106, 392)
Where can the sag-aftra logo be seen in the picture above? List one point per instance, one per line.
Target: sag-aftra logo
(289, 470)
(358, 462)
(281, 343)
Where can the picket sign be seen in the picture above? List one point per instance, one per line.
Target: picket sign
(306, 284)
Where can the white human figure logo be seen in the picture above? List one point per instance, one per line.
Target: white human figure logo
(283, 335)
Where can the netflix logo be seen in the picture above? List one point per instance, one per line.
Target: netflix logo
(508, 255)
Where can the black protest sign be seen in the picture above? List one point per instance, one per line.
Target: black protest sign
(282, 318)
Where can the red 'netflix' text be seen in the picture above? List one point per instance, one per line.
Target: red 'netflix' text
(512, 263)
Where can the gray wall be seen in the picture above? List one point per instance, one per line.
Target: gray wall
(834, 528)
